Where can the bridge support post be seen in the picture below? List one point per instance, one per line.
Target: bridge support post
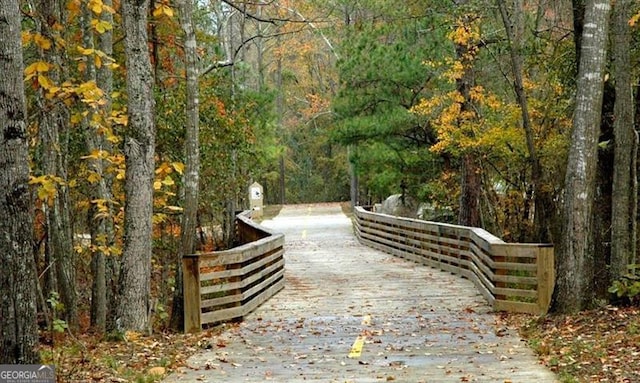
(546, 277)
(191, 292)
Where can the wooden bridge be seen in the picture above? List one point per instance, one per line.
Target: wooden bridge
(351, 313)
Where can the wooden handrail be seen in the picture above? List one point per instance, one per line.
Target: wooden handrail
(226, 285)
(514, 277)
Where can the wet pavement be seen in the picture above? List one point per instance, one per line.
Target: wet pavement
(349, 313)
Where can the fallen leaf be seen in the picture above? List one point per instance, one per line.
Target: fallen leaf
(157, 371)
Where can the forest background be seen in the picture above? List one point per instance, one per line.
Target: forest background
(503, 111)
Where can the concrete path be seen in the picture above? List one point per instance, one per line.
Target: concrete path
(352, 314)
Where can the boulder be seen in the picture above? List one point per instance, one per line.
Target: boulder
(394, 205)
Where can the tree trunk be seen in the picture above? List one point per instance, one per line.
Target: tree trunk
(100, 222)
(574, 274)
(471, 182)
(623, 212)
(514, 26)
(139, 144)
(470, 192)
(19, 331)
(192, 155)
(105, 82)
(54, 132)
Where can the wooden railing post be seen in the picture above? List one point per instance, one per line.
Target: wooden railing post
(546, 277)
(191, 292)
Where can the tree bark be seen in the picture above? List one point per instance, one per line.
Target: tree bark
(471, 182)
(101, 223)
(18, 326)
(105, 82)
(54, 132)
(139, 145)
(623, 214)
(514, 26)
(192, 155)
(574, 274)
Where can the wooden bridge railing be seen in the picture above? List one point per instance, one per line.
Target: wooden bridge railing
(511, 276)
(225, 285)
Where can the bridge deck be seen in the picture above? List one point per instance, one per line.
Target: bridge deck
(352, 314)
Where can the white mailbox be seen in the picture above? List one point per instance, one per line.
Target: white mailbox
(255, 199)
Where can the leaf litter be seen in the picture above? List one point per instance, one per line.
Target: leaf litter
(601, 345)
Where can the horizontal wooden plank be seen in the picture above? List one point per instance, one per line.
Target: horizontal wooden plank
(533, 281)
(242, 253)
(518, 307)
(516, 250)
(221, 301)
(222, 315)
(519, 293)
(531, 267)
(248, 307)
(245, 281)
(482, 255)
(242, 271)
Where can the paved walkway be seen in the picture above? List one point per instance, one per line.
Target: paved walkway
(352, 314)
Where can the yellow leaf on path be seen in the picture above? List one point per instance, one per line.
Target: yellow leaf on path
(157, 371)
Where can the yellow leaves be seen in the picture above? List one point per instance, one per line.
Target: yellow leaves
(35, 68)
(169, 167)
(47, 186)
(101, 26)
(119, 118)
(42, 42)
(466, 33)
(93, 178)
(455, 71)
(162, 10)
(178, 166)
(74, 8)
(26, 38)
(634, 20)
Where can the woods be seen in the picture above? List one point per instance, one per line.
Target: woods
(132, 129)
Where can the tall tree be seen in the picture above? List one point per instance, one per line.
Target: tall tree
(54, 142)
(18, 327)
(466, 48)
(574, 260)
(101, 223)
(133, 309)
(192, 154)
(623, 213)
(514, 26)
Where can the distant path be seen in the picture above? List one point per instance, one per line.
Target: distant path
(352, 314)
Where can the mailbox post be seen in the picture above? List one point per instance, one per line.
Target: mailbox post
(255, 200)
